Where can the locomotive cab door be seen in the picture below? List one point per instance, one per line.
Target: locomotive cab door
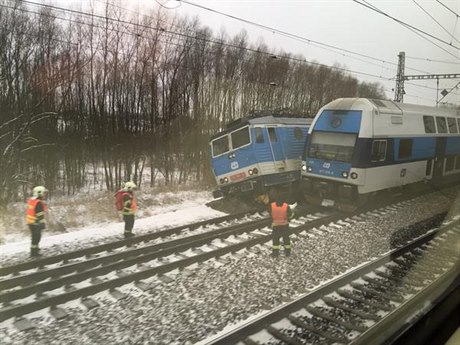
(276, 148)
(439, 158)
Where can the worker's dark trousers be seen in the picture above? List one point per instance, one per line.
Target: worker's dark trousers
(129, 224)
(36, 234)
(278, 232)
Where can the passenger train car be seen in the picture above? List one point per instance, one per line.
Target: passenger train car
(255, 154)
(359, 147)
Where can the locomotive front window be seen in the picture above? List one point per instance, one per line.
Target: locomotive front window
(332, 146)
(240, 138)
(220, 146)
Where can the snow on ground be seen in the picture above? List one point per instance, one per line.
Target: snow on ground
(192, 209)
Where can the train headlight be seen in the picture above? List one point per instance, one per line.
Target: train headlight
(253, 171)
(225, 179)
(309, 169)
(344, 174)
(304, 167)
(354, 175)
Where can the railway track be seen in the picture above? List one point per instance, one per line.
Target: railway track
(50, 282)
(145, 261)
(183, 230)
(373, 304)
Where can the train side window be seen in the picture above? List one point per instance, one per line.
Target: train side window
(259, 135)
(240, 138)
(428, 121)
(379, 150)
(405, 148)
(298, 133)
(442, 126)
(452, 125)
(272, 134)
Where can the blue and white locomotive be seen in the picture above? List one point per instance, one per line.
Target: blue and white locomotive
(254, 154)
(358, 148)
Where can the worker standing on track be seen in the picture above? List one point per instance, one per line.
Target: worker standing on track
(36, 209)
(129, 208)
(281, 214)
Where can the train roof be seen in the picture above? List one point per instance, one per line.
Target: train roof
(264, 120)
(389, 107)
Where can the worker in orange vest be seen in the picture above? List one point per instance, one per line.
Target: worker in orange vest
(281, 214)
(36, 209)
(129, 208)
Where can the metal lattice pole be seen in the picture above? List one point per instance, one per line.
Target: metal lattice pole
(399, 90)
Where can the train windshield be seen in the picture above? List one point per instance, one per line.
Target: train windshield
(220, 146)
(240, 138)
(234, 140)
(332, 146)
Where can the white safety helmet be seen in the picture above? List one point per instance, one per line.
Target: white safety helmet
(39, 191)
(129, 186)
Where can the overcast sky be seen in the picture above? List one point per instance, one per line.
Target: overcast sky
(366, 42)
(347, 25)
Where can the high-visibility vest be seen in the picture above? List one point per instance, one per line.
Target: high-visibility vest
(279, 214)
(31, 215)
(130, 210)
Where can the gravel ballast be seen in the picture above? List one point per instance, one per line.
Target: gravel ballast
(193, 307)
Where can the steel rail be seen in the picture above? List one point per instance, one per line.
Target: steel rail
(239, 334)
(40, 262)
(50, 301)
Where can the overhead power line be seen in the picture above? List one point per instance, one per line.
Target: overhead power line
(284, 33)
(448, 92)
(303, 39)
(448, 8)
(196, 37)
(420, 6)
(432, 60)
(374, 8)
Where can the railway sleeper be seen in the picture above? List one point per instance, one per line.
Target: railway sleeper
(300, 322)
(281, 335)
(338, 304)
(324, 314)
(388, 295)
(400, 280)
(354, 296)
(401, 289)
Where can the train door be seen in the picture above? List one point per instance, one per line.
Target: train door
(439, 158)
(277, 148)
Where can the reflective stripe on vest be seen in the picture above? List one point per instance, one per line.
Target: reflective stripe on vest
(129, 210)
(31, 215)
(279, 214)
